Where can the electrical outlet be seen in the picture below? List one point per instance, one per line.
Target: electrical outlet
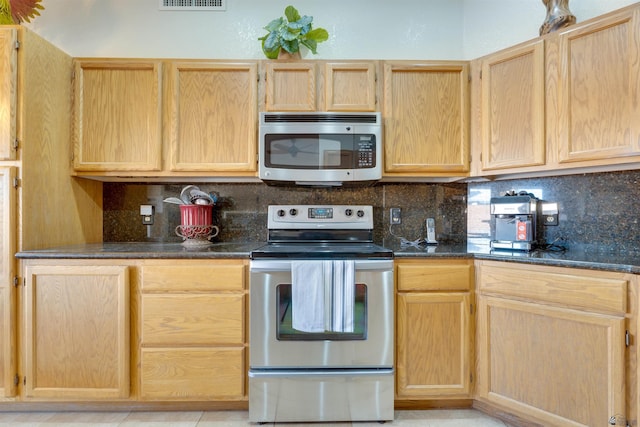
(550, 213)
(395, 216)
(146, 211)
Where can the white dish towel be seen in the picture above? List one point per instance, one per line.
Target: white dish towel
(323, 295)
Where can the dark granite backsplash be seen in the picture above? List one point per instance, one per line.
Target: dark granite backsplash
(242, 209)
(595, 209)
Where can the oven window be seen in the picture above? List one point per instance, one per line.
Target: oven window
(285, 331)
(309, 151)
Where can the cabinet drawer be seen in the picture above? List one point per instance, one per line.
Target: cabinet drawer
(604, 292)
(452, 275)
(209, 276)
(193, 374)
(192, 319)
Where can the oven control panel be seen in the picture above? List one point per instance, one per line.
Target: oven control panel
(320, 216)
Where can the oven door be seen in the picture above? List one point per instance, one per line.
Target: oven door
(275, 344)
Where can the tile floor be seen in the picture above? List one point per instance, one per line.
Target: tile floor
(430, 418)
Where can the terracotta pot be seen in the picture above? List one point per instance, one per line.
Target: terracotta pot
(284, 55)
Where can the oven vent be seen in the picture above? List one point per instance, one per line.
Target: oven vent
(321, 118)
(208, 5)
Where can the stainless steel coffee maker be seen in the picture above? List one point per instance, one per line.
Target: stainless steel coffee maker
(514, 218)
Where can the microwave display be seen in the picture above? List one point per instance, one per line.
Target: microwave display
(311, 151)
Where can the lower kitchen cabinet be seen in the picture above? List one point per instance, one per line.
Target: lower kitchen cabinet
(76, 332)
(192, 340)
(434, 323)
(551, 343)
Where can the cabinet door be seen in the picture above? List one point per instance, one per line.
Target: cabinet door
(558, 366)
(433, 345)
(117, 116)
(213, 116)
(426, 115)
(77, 332)
(512, 119)
(8, 91)
(350, 86)
(8, 225)
(290, 86)
(599, 81)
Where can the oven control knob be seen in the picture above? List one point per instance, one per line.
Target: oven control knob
(293, 212)
(360, 213)
(348, 212)
(281, 213)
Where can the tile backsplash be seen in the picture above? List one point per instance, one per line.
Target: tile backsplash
(595, 209)
(242, 208)
(601, 209)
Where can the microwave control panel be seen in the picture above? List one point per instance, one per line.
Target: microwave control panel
(366, 151)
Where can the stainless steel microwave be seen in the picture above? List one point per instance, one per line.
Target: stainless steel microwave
(320, 149)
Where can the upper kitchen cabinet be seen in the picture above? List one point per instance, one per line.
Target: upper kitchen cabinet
(509, 116)
(8, 91)
(118, 117)
(350, 86)
(320, 86)
(594, 116)
(290, 86)
(212, 116)
(426, 118)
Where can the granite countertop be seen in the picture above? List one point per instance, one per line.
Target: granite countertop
(591, 257)
(148, 250)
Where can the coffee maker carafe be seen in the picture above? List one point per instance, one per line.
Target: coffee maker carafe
(514, 218)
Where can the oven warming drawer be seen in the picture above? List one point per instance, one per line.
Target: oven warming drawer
(329, 395)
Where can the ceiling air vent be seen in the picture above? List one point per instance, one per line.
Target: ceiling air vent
(210, 5)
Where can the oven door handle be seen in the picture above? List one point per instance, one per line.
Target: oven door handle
(292, 373)
(258, 266)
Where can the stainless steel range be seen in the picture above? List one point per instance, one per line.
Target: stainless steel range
(321, 343)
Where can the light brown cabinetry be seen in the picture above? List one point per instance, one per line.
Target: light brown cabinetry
(193, 344)
(207, 108)
(76, 332)
(320, 86)
(551, 342)
(212, 116)
(426, 118)
(8, 92)
(118, 124)
(8, 197)
(597, 69)
(563, 103)
(35, 114)
(512, 108)
(433, 322)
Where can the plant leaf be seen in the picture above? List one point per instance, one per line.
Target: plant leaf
(271, 42)
(291, 46)
(318, 35)
(286, 34)
(311, 45)
(291, 13)
(25, 10)
(275, 24)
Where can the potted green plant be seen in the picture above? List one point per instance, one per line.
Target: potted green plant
(289, 32)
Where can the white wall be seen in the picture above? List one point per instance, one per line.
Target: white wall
(359, 29)
(491, 25)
